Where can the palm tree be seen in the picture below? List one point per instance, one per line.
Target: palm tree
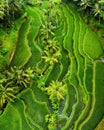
(7, 93)
(46, 30)
(19, 76)
(97, 9)
(13, 81)
(56, 1)
(50, 57)
(56, 90)
(85, 4)
(51, 52)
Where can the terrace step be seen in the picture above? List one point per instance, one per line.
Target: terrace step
(57, 69)
(55, 72)
(92, 46)
(98, 93)
(69, 103)
(10, 119)
(20, 107)
(81, 73)
(14, 39)
(65, 61)
(36, 108)
(22, 53)
(33, 33)
(73, 76)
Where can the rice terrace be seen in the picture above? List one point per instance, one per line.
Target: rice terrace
(51, 65)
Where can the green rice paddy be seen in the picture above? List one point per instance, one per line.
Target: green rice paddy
(79, 66)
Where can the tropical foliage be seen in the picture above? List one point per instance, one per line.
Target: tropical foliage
(56, 91)
(12, 82)
(9, 11)
(93, 8)
(54, 76)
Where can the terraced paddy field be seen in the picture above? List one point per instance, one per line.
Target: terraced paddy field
(67, 91)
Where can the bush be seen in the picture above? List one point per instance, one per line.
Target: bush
(9, 11)
(93, 8)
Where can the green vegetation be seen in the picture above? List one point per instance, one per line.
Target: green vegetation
(56, 91)
(51, 66)
(9, 11)
(12, 82)
(92, 12)
(94, 8)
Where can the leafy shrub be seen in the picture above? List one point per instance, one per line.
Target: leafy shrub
(9, 11)
(3, 9)
(13, 81)
(93, 8)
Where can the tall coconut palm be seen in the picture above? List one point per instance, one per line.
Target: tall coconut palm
(56, 90)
